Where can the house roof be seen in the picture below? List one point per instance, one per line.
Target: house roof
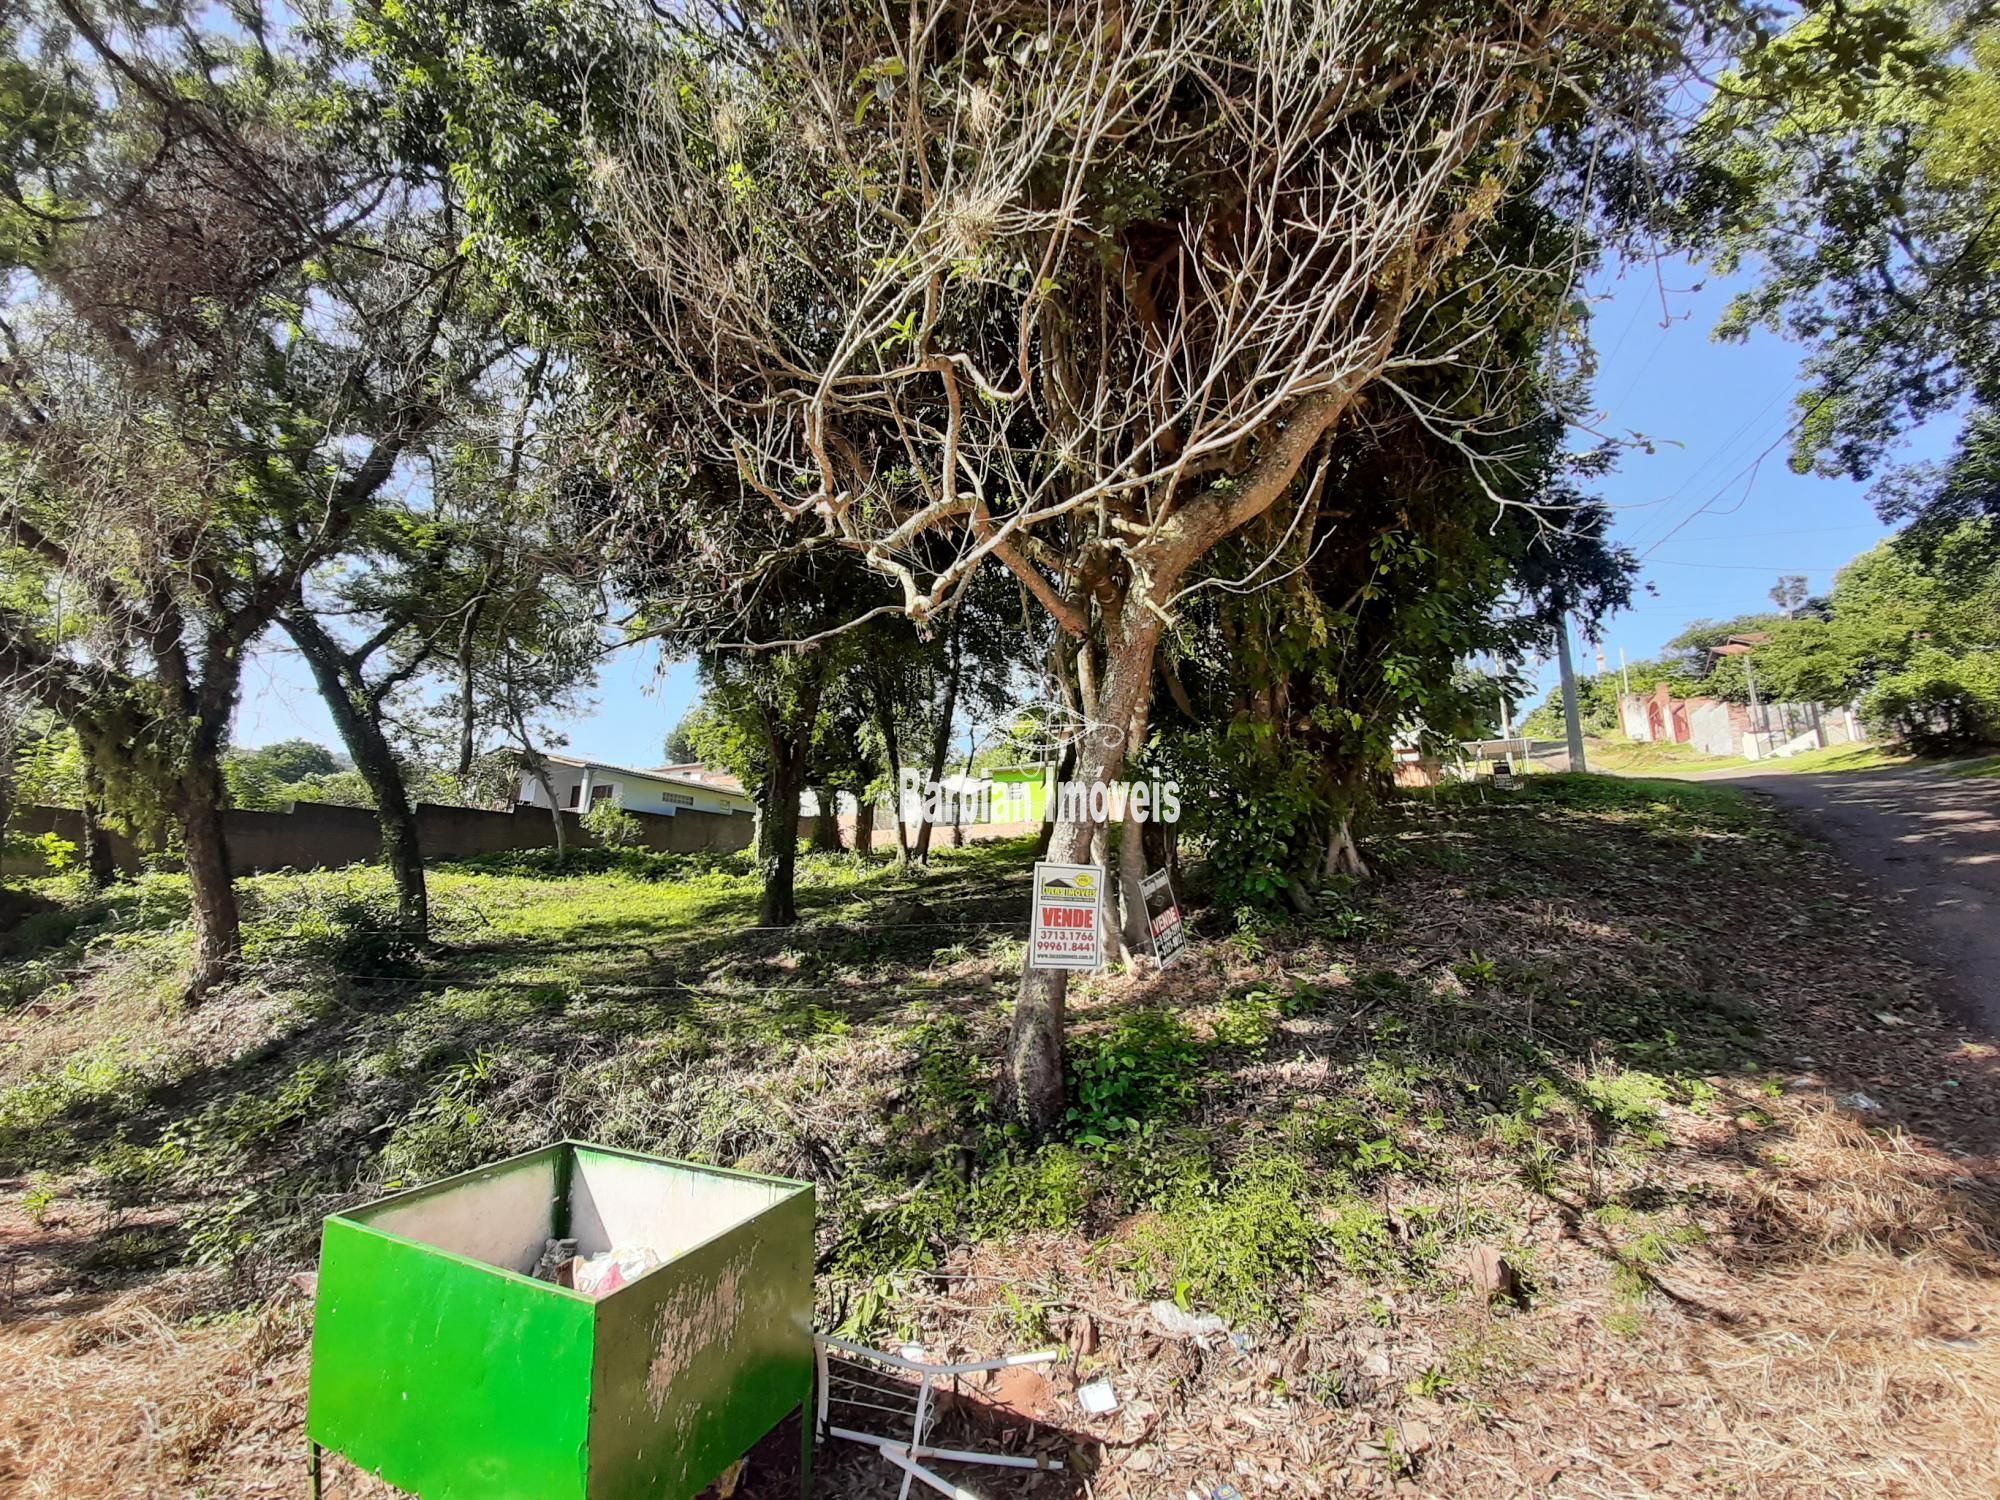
(707, 775)
(1738, 645)
(724, 784)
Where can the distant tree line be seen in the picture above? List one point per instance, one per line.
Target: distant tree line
(1909, 635)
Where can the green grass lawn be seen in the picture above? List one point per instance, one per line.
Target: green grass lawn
(1627, 757)
(1561, 1025)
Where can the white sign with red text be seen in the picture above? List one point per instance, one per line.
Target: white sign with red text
(1069, 900)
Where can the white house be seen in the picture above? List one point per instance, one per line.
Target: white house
(663, 791)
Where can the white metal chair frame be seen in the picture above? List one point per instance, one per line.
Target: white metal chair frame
(907, 1453)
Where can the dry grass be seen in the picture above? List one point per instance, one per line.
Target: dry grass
(135, 1396)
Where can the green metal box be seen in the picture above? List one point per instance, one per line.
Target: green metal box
(442, 1365)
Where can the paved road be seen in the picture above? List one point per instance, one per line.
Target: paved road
(1931, 839)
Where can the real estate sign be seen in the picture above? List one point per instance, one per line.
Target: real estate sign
(1163, 915)
(1069, 900)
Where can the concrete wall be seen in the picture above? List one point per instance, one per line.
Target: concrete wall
(1716, 727)
(64, 823)
(941, 834)
(318, 835)
(1632, 719)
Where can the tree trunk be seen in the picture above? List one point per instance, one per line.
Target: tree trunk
(360, 726)
(100, 865)
(1138, 931)
(548, 785)
(885, 720)
(1137, 934)
(1065, 770)
(941, 741)
(1035, 1083)
(539, 769)
(864, 828)
(826, 826)
(467, 708)
(218, 934)
(1342, 856)
(1157, 838)
(778, 829)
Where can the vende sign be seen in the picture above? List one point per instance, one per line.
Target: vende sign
(1068, 901)
(1163, 914)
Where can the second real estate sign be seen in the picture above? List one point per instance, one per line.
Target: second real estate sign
(1068, 902)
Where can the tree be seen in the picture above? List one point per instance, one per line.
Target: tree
(681, 747)
(1789, 593)
(761, 708)
(407, 604)
(1290, 700)
(1083, 291)
(263, 778)
(1913, 636)
(1851, 159)
(237, 323)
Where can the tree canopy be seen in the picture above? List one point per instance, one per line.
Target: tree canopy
(1849, 162)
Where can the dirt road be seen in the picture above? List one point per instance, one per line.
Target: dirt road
(1932, 841)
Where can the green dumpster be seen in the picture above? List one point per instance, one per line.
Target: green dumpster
(442, 1365)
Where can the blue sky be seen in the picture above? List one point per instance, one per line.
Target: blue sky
(1718, 415)
(1709, 408)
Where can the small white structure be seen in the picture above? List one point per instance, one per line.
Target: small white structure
(581, 784)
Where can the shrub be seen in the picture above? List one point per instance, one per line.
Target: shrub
(613, 827)
(1147, 1066)
(1048, 1190)
(1940, 703)
(1244, 1252)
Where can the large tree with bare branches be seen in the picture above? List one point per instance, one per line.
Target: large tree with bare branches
(1082, 289)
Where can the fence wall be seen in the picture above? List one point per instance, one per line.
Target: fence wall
(1716, 727)
(320, 835)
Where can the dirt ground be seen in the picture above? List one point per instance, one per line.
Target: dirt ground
(1771, 1275)
(1930, 841)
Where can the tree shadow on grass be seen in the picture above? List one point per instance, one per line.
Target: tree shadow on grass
(295, 1126)
(1535, 986)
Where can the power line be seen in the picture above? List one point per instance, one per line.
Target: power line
(1833, 388)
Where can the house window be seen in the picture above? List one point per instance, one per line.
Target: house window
(600, 794)
(575, 793)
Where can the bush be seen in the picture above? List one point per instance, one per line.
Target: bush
(1258, 804)
(1148, 1066)
(1940, 703)
(613, 827)
(1245, 1252)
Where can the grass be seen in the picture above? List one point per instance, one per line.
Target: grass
(1840, 758)
(1646, 755)
(1566, 1023)
(1627, 757)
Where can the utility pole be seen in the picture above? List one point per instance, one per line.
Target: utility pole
(1756, 712)
(1572, 711)
(1624, 677)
